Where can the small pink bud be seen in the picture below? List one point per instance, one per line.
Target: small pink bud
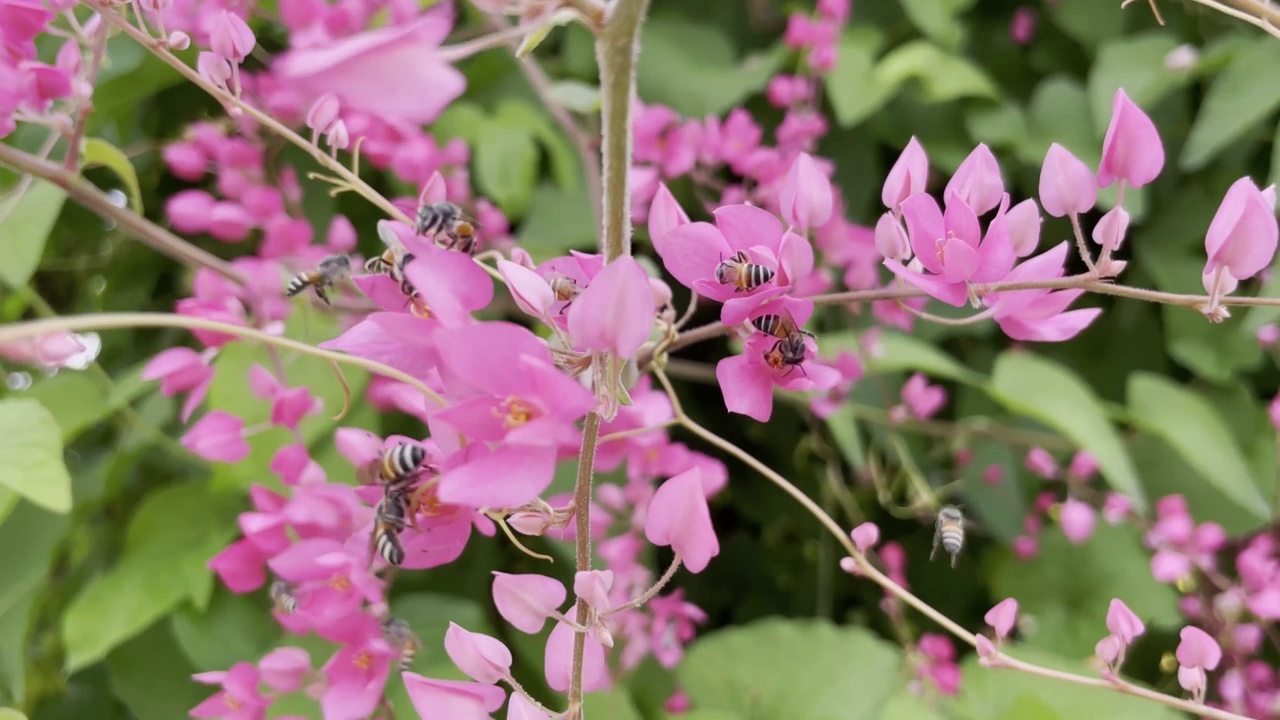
(678, 703)
(1023, 222)
(1026, 547)
(1110, 230)
(178, 40)
(1242, 237)
(866, 536)
(1132, 150)
(531, 292)
(1115, 508)
(485, 659)
(522, 708)
(1108, 648)
(1123, 623)
(528, 523)
(1040, 462)
(526, 601)
(992, 474)
(1022, 27)
(337, 136)
(213, 68)
(891, 240)
(907, 176)
(323, 113)
(806, 194)
(283, 669)
(678, 516)
(230, 38)
(1002, 617)
(1198, 649)
(986, 649)
(1182, 58)
(592, 587)
(1083, 466)
(1268, 335)
(977, 181)
(1067, 185)
(1273, 412)
(665, 214)
(1078, 521)
(217, 437)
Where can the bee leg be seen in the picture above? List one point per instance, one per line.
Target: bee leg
(566, 307)
(320, 293)
(803, 371)
(935, 548)
(954, 557)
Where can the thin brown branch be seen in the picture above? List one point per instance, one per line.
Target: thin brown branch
(97, 53)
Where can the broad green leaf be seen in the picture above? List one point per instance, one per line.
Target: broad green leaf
(234, 628)
(459, 120)
(24, 232)
(1165, 472)
(899, 352)
(1029, 707)
(576, 96)
(97, 151)
(8, 501)
(1001, 506)
(1275, 158)
(11, 714)
(150, 675)
(989, 694)
(167, 548)
(31, 448)
(614, 704)
(704, 715)
(566, 165)
(693, 68)
(943, 77)
(1059, 113)
(1090, 22)
(1237, 101)
(937, 20)
(76, 400)
(769, 668)
(997, 125)
(1053, 395)
(851, 86)
(506, 163)
(557, 222)
(843, 425)
(37, 533)
(1135, 63)
(1067, 588)
(1190, 424)
(907, 706)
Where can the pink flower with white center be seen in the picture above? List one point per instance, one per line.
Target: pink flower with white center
(1132, 151)
(452, 699)
(953, 248)
(357, 673)
(693, 252)
(1040, 315)
(217, 437)
(673, 626)
(747, 380)
(239, 698)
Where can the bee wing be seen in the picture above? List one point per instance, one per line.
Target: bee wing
(388, 236)
(788, 325)
(367, 474)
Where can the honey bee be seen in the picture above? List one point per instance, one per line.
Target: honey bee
(461, 237)
(283, 597)
(949, 532)
(566, 290)
(790, 350)
(385, 264)
(396, 468)
(400, 636)
(389, 519)
(741, 273)
(324, 276)
(435, 217)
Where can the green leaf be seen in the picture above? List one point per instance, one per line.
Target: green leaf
(843, 425)
(613, 703)
(899, 352)
(24, 233)
(97, 151)
(167, 547)
(1000, 507)
(1164, 472)
(1190, 424)
(937, 20)
(80, 400)
(1059, 112)
(1089, 22)
(566, 166)
(459, 120)
(1053, 395)
(576, 96)
(851, 85)
(1135, 63)
(558, 221)
(1237, 101)
(943, 76)
(506, 163)
(1067, 589)
(11, 714)
(22, 576)
(907, 706)
(769, 668)
(151, 676)
(31, 445)
(233, 629)
(1004, 124)
(1275, 158)
(692, 67)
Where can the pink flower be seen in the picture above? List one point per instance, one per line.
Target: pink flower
(50, 350)
(558, 661)
(678, 517)
(953, 248)
(1115, 508)
(1083, 466)
(1022, 28)
(592, 587)
(747, 380)
(526, 601)
(369, 71)
(218, 437)
(1023, 221)
(323, 113)
(1002, 617)
(1041, 463)
(665, 214)
(615, 312)
(239, 698)
(674, 625)
(1110, 230)
(521, 708)
(1067, 185)
(907, 177)
(806, 194)
(1132, 151)
(1242, 237)
(1078, 520)
(1040, 315)
(357, 673)
(1268, 335)
(1109, 649)
(922, 399)
(1123, 623)
(285, 668)
(452, 699)
(891, 240)
(865, 536)
(977, 181)
(288, 406)
(484, 659)
(230, 38)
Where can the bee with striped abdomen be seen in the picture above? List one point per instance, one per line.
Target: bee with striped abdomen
(434, 217)
(790, 350)
(389, 519)
(283, 596)
(385, 264)
(396, 467)
(461, 236)
(741, 273)
(400, 636)
(324, 276)
(949, 532)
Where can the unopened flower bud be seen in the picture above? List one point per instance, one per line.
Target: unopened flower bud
(178, 40)
(323, 113)
(337, 136)
(527, 523)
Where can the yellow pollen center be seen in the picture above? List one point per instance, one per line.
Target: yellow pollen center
(231, 703)
(514, 412)
(362, 660)
(341, 583)
(651, 455)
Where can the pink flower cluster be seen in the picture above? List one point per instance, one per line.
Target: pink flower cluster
(30, 90)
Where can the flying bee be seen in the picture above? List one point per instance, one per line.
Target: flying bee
(324, 276)
(389, 519)
(396, 468)
(400, 636)
(949, 532)
(566, 290)
(741, 273)
(283, 597)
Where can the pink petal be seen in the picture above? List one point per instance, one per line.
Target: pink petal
(506, 477)
(1243, 234)
(218, 437)
(866, 536)
(1110, 230)
(747, 387)
(795, 259)
(746, 226)
(452, 699)
(678, 517)
(483, 658)
(735, 310)
(440, 541)
(530, 291)
(1123, 622)
(240, 566)
(520, 708)
(399, 340)
(526, 601)
(891, 240)
(559, 659)
(1023, 222)
(1055, 329)
(806, 194)
(692, 252)
(283, 669)
(907, 177)
(1067, 185)
(955, 294)
(959, 260)
(615, 313)
(1078, 521)
(480, 356)
(1002, 617)
(925, 227)
(451, 283)
(1198, 650)
(665, 214)
(996, 255)
(977, 181)
(592, 587)
(1132, 150)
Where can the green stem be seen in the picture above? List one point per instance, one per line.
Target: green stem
(616, 52)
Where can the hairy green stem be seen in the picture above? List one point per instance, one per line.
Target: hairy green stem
(582, 541)
(616, 52)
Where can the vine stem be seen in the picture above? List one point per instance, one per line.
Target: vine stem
(582, 543)
(868, 570)
(116, 321)
(647, 595)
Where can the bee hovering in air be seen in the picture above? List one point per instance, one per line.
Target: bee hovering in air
(566, 290)
(949, 532)
(400, 636)
(790, 349)
(396, 468)
(741, 273)
(324, 276)
(389, 519)
(283, 596)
